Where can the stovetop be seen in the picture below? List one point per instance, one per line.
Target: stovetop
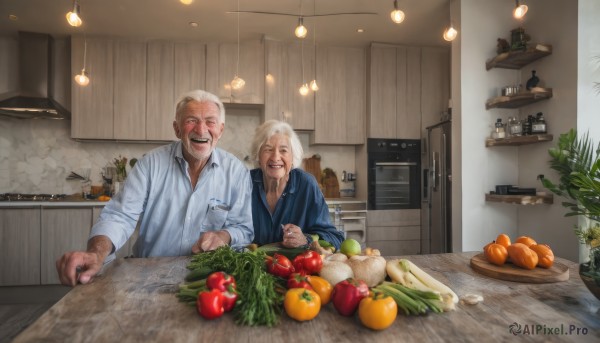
(31, 197)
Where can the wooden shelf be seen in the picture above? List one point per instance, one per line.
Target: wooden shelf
(521, 99)
(521, 199)
(518, 140)
(519, 58)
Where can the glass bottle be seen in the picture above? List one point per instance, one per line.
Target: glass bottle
(499, 131)
(539, 125)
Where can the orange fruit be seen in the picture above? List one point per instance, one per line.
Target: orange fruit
(545, 255)
(495, 253)
(528, 241)
(503, 239)
(522, 256)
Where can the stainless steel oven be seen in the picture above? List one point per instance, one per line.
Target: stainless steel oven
(394, 173)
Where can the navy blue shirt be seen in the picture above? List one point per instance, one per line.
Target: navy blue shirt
(301, 203)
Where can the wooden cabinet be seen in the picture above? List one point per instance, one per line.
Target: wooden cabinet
(173, 69)
(394, 92)
(340, 103)
(283, 67)
(19, 246)
(395, 232)
(221, 67)
(129, 90)
(92, 106)
(63, 230)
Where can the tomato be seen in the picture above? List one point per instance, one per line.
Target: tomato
(298, 280)
(221, 281)
(528, 241)
(308, 263)
(377, 311)
(522, 256)
(279, 265)
(495, 253)
(545, 255)
(322, 287)
(347, 295)
(503, 239)
(301, 304)
(210, 304)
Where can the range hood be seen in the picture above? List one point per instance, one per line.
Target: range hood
(34, 98)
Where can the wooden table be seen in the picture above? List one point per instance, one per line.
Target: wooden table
(134, 300)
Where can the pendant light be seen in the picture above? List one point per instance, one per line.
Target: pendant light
(520, 10)
(450, 33)
(304, 88)
(82, 79)
(301, 30)
(397, 15)
(238, 82)
(73, 17)
(313, 84)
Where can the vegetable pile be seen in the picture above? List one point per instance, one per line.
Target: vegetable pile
(258, 283)
(525, 252)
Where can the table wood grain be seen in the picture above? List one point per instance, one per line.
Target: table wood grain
(134, 300)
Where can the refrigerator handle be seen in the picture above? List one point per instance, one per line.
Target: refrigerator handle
(425, 184)
(434, 170)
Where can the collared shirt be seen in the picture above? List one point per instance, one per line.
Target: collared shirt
(301, 203)
(158, 192)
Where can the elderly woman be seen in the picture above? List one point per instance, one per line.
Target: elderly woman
(287, 204)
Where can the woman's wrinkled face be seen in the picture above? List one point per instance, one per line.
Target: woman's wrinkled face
(275, 157)
(199, 127)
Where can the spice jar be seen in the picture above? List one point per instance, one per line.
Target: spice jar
(514, 126)
(499, 131)
(539, 125)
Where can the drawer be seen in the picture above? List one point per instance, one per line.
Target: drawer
(401, 233)
(394, 217)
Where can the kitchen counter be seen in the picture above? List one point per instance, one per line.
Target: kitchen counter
(134, 300)
(73, 200)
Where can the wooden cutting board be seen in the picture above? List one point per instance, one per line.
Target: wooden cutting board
(509, 272)
(313, 165)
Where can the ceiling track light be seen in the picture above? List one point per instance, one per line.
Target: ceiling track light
(82, 79)
(397, 15)
(73, 17)
(520, 10)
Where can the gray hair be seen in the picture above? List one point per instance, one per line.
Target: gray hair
(199, 96)
(270, 128)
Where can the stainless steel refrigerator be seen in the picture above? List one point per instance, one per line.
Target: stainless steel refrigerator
(437, 235)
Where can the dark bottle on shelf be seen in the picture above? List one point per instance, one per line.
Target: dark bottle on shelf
(533, 81)
(527, 125)
(539, 125)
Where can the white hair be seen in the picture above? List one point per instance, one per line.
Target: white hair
(270, 128)
(199, 96)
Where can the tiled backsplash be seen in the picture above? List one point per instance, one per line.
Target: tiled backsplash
(37, 155)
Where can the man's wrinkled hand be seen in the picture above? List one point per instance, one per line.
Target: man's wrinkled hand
(211, 240)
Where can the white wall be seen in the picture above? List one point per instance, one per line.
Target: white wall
(548, 21)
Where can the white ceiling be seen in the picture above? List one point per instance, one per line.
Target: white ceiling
(169, 19)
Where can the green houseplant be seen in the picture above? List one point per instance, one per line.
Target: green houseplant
(577, 162)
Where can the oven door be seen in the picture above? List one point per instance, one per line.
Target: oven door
(394, 185)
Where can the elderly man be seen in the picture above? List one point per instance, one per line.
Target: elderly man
(188, 196)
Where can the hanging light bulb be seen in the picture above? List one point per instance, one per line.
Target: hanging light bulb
(82, 79)
(450, 33)
(186, 2)
(301, 30)
(397, 15)
(313, 85)
(238, 82)
(73, 17)
(520, 10)
(303, 89)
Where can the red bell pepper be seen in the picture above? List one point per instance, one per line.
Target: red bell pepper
(279, 265)
(229, 299)
(210, 304)
(220, 281)
(308, 263)
(347, 295)
(298, 280)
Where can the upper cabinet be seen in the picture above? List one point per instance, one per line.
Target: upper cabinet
(284, 66)
(409, 87)
(133, 87)
(225, 61)
(340, 102)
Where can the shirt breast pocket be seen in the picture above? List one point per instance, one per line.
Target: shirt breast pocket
(215, 216)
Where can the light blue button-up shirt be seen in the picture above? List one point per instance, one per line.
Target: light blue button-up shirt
(158, 192)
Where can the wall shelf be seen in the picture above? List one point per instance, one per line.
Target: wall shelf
(519, 58)
(521, 99)
(518, 140)
(521, 199)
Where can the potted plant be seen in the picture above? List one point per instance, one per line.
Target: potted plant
(578, 165)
